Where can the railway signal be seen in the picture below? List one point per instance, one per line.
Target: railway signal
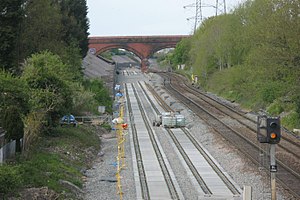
(273, 130)
(269, 131)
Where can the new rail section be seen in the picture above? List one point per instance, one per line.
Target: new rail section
(232, 187)
(198, 148)
(153, 174)
(151, 163)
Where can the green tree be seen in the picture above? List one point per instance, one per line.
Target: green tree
(84, 101)
(75, 23)
(11, 14)
(48, 79)
(181, 52)
(13, 92)
(42, 28)
(256, 47)
(101, 94)
(72, 59)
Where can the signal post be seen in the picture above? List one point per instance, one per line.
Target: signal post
(269, 131)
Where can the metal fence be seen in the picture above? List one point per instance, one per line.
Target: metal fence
(8, 151)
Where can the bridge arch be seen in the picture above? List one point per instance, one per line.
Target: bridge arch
(120, 47)
(142, 46)
(161, 48)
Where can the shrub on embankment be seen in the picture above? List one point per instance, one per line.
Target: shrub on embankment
(250, 56)
(50, 153)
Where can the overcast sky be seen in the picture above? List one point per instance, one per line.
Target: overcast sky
(145, 17)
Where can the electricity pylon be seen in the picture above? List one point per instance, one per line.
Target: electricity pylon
(220, 8)
(198, 13)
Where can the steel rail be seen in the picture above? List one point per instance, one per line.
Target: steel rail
(190, 164)
(251, 127)
(202, 184)
(250, 149)
(165, 171)
(224, 178)
(215, 105)
(139, 159)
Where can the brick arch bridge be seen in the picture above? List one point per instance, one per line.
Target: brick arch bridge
(142, 46)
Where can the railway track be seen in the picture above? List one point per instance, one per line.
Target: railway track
(177, 139)
(216, 117)
(289, 143)
(163, 166)
(139, 159)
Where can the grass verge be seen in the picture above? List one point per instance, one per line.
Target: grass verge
(63, 156)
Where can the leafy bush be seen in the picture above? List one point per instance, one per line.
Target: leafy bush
(13, 92)
(83, 100)
(48, 79)
(271, 91)
(291, 121)
(275, 108)
(10, 179)
(101, 94)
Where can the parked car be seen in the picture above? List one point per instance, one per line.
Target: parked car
(68, 120)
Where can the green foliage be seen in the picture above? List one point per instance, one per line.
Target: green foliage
(46, 169)
(291, 121)
(10, 179)
(42, 28)
(10, 23)
(106, 126)
(297, 102)
(53, 159)
(83, 136)
(12, 123)
(107, 54)
(47, 62)
(276, 108)
(75, 24)
(180, 54)
(270, 92)
(251, 55)
(72, 59)
(48, 80)
(13, 105)
(13, 91)
(83, 100)
(28, 27)
(101, 94)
